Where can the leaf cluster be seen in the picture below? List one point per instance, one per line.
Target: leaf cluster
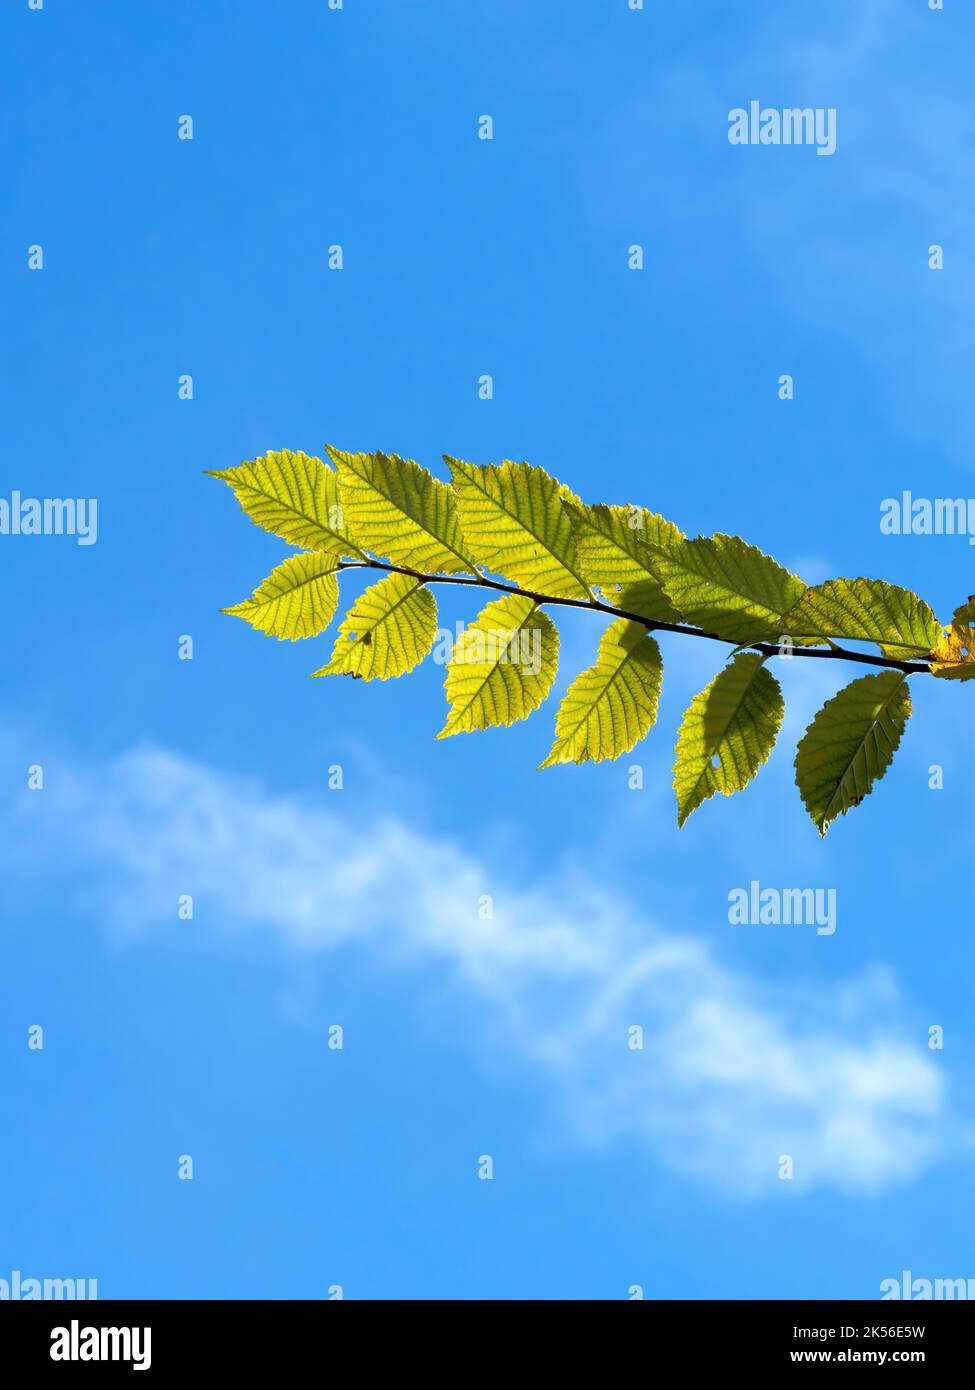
(515, 530)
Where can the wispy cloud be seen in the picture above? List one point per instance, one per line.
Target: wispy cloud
(733, 1074)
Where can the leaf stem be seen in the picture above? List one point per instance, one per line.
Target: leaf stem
(831, 653)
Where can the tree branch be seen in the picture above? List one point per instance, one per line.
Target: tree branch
(594, 605)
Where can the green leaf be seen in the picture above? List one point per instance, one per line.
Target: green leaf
(734, 722)
(293, 496)
(867, 610)
(615, 545)
(398, 510)
(298, 598)
(609, 708)
(850, 744)
(616, 548)
(955, 651)
(388, 631)
(515, 524)
(729, 588)
(502, 666)
(647, 600)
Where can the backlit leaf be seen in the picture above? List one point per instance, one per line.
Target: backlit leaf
(298, 598)
(388, 631)
(850, 745)
(609, 707)
(398, 510)
(728, 587)
(515, 524)
(955, 652)
(729, 730)
(293, 496)
(646, 599)
(616, 548)
(867, 610)
(502, 666)
(615, 544)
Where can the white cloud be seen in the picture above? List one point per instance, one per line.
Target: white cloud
(733, 1074)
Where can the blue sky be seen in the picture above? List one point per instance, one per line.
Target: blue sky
(315, 1168)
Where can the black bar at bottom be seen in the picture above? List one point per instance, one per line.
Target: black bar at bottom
(168, 1338)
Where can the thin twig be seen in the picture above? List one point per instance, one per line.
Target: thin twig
(652, 625)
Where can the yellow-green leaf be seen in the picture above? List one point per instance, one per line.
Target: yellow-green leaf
(850, 745)
(398, 510)
(615, 544)
(502, 666)
(298, 598)
(728, 587)
(616, 548)
(866, 610)
(515, 524)
(609, 707)
(293, 496)
(728, 732)
(955, 652)
(387, 632)
(646, 599)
